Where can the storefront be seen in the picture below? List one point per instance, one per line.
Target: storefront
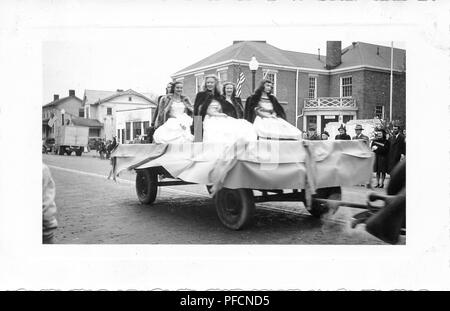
(133, 124)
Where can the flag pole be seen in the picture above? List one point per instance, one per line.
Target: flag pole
(391, 82)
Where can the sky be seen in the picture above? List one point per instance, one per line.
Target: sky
(143, 66)
(134, 44)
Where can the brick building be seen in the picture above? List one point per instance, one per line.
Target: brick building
(344, 84)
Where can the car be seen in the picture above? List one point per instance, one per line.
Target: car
(48, 145)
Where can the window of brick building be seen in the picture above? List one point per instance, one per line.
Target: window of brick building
(312, 87)
(109, 111)
(346, 86)
(222, 75)
(379, 111)
(271, 76)
(81, 113)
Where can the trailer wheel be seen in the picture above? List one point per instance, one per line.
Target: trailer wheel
(318, 209)
(146, 185)
(68, 152)
(61, 151)
(79, 152)
(235, 207)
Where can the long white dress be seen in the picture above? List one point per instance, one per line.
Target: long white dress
(226, 129)
(274, 127)
(177, 128)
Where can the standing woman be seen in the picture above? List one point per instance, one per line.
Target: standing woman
(174, 119)
(152, 128)
(342, 134)
(210, 89)
(235, 108)
(380, 145)
(268, 117)
(160, 98)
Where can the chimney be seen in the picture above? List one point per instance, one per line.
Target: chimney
(55, 97)
(318, 54)
(378, 50)
(119, 90)
(71, 92)
(333, 54)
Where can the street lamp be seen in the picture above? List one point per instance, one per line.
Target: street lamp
(62, 116)
(253, 67)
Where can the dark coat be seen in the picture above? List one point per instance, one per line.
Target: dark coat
(342, 137)
(234, 110)
(201, 98)
(227, 108)
(155, 113)
(362, 137)
(397, 148)
(381, 155)
(253, 102)
(315, 136)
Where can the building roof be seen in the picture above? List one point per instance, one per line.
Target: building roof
(86, 122)
(358, 54)
(367, 54)
(92, 97)
(60, 101)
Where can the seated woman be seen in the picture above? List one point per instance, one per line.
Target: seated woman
(220, 127)
(234, 104)
(174, 121)
(267, 115)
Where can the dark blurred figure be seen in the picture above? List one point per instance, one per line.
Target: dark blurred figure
(325, 135)
(342, 134)
(359, 135)
(312, 135)
(397, 149)
(380, 146)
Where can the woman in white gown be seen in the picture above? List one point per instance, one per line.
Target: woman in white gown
(267, 115)
(220, 127)
(174, 121)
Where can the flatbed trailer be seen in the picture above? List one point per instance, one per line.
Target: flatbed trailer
(244, 173)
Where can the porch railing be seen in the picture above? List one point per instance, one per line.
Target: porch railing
(330, 103)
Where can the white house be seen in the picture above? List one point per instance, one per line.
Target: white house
(105, 105)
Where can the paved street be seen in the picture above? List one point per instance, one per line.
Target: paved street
(94, 210)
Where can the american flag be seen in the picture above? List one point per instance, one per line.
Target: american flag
(240, 82)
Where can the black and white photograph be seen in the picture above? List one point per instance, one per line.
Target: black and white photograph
(256, 133)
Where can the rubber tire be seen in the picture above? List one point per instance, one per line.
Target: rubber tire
(235, 207)
(146, 185)
(69, 152)
(317, 209)
(79, 153)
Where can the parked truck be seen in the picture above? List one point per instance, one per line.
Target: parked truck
(71, 138)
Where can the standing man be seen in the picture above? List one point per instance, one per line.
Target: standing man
(397, 149)
(359, 135)
(312, 135)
